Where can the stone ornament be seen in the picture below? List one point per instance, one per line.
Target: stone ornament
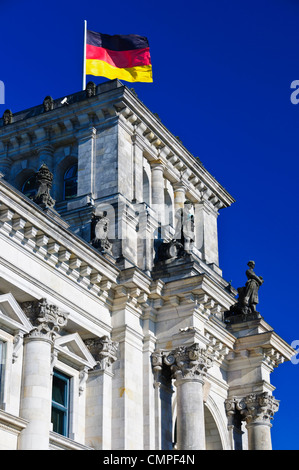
(184, 230)
(46, 318)
(90, 89)
(190, 362)
(48, 104)
(44, 179)
(7, 117)
(99, 232)
(254, 408)
(183, 239)
(104, 351)
(248, 295)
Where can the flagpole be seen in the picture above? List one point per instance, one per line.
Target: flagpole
(84, 57)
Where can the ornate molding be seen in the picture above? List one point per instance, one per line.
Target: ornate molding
(254, 408)
(104, 351)
(185, 362)
(46, 319)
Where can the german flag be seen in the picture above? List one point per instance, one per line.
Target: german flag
(126, 57)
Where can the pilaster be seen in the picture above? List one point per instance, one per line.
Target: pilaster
(99, 393)
(86, 155)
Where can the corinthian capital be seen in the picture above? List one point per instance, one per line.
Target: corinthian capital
(254, 408)
(46, 319)
(104, 351)
(190, 362)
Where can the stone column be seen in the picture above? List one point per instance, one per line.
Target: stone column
(36, 394)
(234, 424)
(158, 189)
(258, 411)
(189, 365)
(179, 191)
(99, 393)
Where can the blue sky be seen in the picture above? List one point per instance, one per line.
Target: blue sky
(222, 75)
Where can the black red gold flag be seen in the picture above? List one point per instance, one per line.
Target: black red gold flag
(126, 57)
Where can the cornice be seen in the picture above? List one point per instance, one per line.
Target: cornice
(171, 149)
(12, 423)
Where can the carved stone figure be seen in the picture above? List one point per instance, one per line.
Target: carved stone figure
(48, 103)
(99, 232)
(90, 89)
(44, 179)
(252, 286)
(248, 295)
(183, 240)
(184, 230)
(7, 117)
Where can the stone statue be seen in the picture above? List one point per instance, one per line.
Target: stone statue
(48, 103)
(183, 240)
(248, 295)
(44, 179)
(99, 232)
(252, 286)
(184, 230)
(7, 117)
(90, 89)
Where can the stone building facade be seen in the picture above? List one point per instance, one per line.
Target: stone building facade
(117, 329)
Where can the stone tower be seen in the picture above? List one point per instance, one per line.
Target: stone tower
(110, 267)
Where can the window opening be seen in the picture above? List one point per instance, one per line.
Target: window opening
(60, 403)
(29, 187)
(70, 181)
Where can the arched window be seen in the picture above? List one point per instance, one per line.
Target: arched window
(70, 182)
(29, 187)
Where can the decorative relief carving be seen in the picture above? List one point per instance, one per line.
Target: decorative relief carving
(104, 351)
(184, 362)
(254, 408)
(47, 319)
